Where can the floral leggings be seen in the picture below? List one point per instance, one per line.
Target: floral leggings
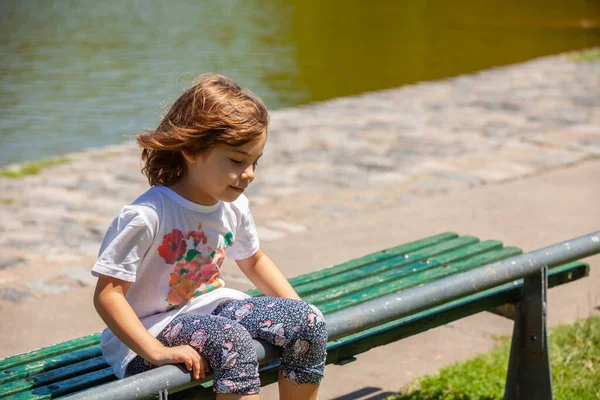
(224, 339)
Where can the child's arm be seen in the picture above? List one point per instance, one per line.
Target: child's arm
(115, 311)
(267, 277)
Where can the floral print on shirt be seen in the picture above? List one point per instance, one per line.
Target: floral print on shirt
(197, 266)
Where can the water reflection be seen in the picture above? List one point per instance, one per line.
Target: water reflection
(77, 74)
(395, 43)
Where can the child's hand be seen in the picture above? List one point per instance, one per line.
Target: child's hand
(187, 355)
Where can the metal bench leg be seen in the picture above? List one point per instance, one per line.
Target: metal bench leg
(529, 375)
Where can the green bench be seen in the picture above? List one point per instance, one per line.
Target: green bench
(77, 366)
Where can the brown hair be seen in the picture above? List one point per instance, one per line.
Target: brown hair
(213, 110)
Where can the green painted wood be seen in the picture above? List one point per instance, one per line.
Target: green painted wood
(369, 258)
(56, 375)
(346, 298)
(396, 330)
(415, 273)
(567, 273)
(49, 351)
(395, 267)
(47, 364)
(68, 386)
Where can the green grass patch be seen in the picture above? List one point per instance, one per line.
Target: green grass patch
(587, 55)
(31, 168)
(574, 358)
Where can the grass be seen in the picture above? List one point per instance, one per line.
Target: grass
(574, 358)
(587, 55)
(31, 168)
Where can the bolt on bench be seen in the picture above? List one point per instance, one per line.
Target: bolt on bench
(368, 302)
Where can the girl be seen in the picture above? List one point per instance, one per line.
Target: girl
(160, 290)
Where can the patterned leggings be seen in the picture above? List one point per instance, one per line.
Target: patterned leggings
(224, 339)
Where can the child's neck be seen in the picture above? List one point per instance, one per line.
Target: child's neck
(185, 189)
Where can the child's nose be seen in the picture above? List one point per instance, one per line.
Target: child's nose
(248, 173)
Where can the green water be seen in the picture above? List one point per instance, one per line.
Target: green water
(77, 74)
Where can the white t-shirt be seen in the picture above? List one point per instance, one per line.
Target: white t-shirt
(172, 249)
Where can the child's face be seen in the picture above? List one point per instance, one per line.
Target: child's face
(224, 171)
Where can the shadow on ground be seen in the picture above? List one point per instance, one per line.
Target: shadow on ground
(373, 393)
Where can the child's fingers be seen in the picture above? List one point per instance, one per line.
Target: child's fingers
(187, 360)
(194, 362)
(197, 367)
(198, 370)
(182, 355)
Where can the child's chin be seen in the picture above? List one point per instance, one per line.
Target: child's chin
(230, 197)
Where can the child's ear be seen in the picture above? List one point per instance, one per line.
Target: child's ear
(191, 158)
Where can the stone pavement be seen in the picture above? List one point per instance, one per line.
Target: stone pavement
(509, 153)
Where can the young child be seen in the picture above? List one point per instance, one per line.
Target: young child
(160, 290)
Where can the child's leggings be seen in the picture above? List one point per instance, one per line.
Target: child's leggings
(224, 339)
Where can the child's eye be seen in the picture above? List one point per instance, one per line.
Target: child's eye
(235, 161)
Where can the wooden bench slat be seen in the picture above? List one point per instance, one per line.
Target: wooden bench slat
(58, 374)
(403, 269)
(47, 364)
(68, 386)
(368, 259)
(397, 266)
(464, 253)
(345, 298)
(453, 244)
(460, 259)
(49, 351)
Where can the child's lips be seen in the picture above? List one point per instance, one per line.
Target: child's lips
(237, 189)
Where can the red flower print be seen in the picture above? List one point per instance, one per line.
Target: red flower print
(173, 246)
(199, 237)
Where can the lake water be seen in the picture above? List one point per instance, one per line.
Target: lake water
(85, 73)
